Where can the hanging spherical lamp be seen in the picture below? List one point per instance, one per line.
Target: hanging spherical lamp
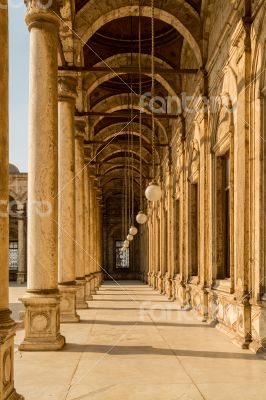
(133, 230)
(130, 237)
(153, 192)
(141, 218)
(126, 243)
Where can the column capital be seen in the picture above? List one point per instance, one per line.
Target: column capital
(20, 211)
(41, 11)
(67, 87)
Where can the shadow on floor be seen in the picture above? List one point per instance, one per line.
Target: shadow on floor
(143, 323)
(135, 300)
(149, 350)
(129, 309)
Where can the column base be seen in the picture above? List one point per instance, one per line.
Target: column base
(88, 296)
(7, 332)
(14, 396)
(258, 327)
(93, 291)
(81, 295)
(68, 312)
(42, 322)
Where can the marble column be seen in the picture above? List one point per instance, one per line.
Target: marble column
(21, 276)
(42, 300)
(96, 222)
(92, 236)
(7, 325)
(80, 126)
(87, 237)
(66, 198)
(170, 228)
(99, 237)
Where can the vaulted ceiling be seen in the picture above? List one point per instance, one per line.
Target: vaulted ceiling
(113, 48)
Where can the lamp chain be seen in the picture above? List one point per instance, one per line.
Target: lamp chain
(140, 112)
(152, 88)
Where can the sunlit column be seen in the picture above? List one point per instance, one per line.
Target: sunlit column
(66, 198)
(42, 301)
(80, 126)
(7, 326)
(21, 275)
(92, 234)
(87, 235)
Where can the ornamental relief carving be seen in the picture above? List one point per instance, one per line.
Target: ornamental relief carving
(40, 321)
(7, 367)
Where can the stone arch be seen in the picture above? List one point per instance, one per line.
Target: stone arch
(146, 157)
(170, 83)
(107, 133)
(161, 125)
(115, 148)
(92, 17)
(94, 80)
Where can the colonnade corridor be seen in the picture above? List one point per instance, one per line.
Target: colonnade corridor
(134, 344)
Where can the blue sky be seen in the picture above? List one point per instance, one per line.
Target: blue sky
(18, 85)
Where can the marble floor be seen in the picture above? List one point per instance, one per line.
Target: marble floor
(134, 344)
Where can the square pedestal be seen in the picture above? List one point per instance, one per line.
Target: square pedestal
(68, 312)
(81, 295)
(42, 323)
(7, 332)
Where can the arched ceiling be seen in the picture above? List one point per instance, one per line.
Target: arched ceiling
(196, 4)
(108, 53)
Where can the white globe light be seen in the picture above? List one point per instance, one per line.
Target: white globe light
(133, 230)
(130, 238)
(141, 218)
(153, 192)
(126, 243)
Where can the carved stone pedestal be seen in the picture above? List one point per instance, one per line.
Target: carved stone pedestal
(92, 283)
(180, 293)
(68, 312)
(42, 323)
(258, 327)
(97, 281)
(243, 325)
(88, 295)
(80, 295)
(7, 332)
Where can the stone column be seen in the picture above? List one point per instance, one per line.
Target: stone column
(149, 224)
(95, 242)
(80, 126)
(7, 326)
(98, 236)
(170, 218)
(42, 301)
(21, 276)
(87, 237)
(66, 199)
(242, 194)
(92, 235)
